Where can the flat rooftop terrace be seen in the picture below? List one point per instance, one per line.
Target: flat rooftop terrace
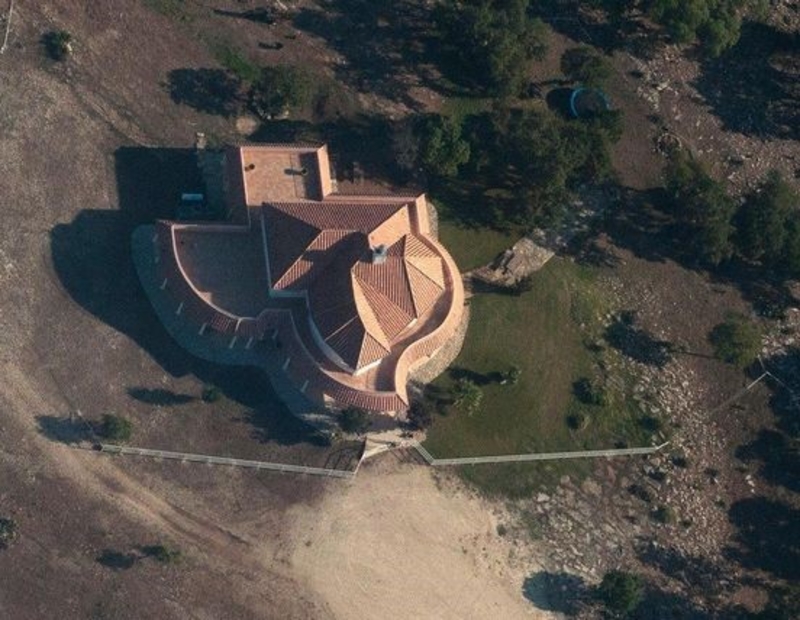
(280, 175)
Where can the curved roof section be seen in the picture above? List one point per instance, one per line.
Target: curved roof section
(359, 307)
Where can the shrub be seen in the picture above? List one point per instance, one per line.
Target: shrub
(116, 428)
(354, 420)
(620, 591)
(577, 420)
(664, 514)
(163, 554)
(211, 393)
(737, 341)
(511, 376)
(590, 392)
(58, 44)
(8, 532)
(468, 396)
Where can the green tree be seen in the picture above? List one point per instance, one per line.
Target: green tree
(736, 341)
(791, 252)
(468, 396)
(584, 65)
(8, 532)
(494, 39)
(280, 89)
(620, 592)
(211, 393)
(116, 428)
(354, 420)
(443, 147)
(763, 222)
(703, 207)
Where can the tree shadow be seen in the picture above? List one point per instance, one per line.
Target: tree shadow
(778, 458)
(636, 343)
(160, 396)
(116, 560)
(558, 592)
(478, 378)
(389, 46)
(704, 576)
(754, 88)
(64, 430)
(768, 536)
(213, 91)
(259, 15)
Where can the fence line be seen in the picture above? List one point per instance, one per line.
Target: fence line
(219, 460)
(543, 456)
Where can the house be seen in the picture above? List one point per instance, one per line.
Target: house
(352, 292)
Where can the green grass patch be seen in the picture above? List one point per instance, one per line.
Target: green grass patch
(473, 247)
(549, 334)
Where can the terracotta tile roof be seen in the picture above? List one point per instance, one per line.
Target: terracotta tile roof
(351, 309)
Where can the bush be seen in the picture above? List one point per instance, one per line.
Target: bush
(585, 66)
(279, 90)
(163, 554)
(116, 428)
(511, 376)
(737, 341)
(211, 393)
(354, 420)
(664, 514)
(468, 396)
(577, 420)
(590, 392)
(8, 532)
(58, 44)
(620, 591)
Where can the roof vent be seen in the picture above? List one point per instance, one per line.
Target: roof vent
(379, 255)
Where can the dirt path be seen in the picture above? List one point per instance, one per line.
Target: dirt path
(397, 544)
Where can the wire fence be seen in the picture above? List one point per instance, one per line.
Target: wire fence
(541, 456)
(8, 26)
(186, 457)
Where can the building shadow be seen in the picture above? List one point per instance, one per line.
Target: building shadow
(754, 88)
(92, 258)
(557, 592)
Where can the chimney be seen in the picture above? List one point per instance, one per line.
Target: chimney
(379, 255)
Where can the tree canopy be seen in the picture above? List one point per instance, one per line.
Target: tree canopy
(354, 420)
(736, 341)
(620, 592)
(443, 148)
(280, 89)
(702, 206)
(768, 223)
(584, 65)
(495, 39)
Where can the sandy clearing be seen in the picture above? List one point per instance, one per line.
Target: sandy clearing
(394, 544)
